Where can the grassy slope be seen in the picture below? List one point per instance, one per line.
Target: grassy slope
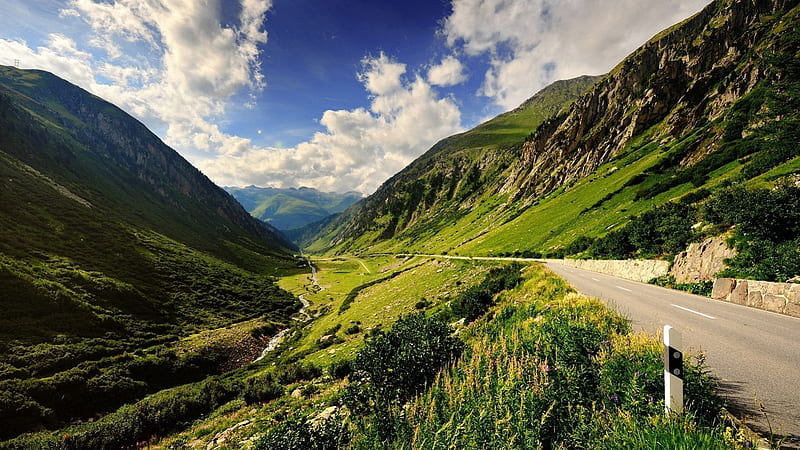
(97, 263)
(505, 390)
(487, 223)
(402, 283)
(491, 145)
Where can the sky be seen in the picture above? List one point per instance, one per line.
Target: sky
(338, 95)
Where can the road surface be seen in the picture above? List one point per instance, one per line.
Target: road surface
(755, 353)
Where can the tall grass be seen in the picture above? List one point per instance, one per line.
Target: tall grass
(554, 369)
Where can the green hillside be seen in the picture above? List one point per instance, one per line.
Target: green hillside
(112, 249)
(439, 187)
(634, 141)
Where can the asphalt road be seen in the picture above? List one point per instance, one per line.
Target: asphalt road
(755, 353)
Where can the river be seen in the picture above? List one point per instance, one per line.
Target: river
(278, 338)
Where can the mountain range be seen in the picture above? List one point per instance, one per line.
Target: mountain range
(120, 262)
(288, 209)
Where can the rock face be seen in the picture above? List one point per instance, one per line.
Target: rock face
(691, 73)
(701, 261)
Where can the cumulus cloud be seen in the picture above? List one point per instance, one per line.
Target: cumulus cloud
(360, 147)
(531, 43)
(197, 64)
(449, 72)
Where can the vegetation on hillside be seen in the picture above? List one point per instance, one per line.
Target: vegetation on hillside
(113, 252)
(764, 223)
(430, 192)
(548, 368)
(689, 135)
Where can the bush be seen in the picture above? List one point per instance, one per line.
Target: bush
(579, 245)
(422, 304)
(292, 373)
(261, 389)
(766, 233)
(476, 300)
(341, 368)
(399, 363)
(298, 434)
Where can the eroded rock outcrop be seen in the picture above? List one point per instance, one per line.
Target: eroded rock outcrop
(701, 261)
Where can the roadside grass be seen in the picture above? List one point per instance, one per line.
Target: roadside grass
(553, 369)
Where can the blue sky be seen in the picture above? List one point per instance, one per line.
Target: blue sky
(333, 94)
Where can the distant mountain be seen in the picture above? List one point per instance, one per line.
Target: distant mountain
(707, 102)
(293, 208)
(111, 243)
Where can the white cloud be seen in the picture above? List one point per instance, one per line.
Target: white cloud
(199, 65)
(534, 42)
(184, 88)
(449, 72)
(360, 148)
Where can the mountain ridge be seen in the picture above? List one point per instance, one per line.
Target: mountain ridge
(444, 174)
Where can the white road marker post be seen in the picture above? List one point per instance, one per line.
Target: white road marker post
(673, 371)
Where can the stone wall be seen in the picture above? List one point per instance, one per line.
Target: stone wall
(642, 270)
(782, 298)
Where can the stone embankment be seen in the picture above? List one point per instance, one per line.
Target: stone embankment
(782, 298)
(642, 270)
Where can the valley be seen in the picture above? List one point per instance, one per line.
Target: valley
(145, 306)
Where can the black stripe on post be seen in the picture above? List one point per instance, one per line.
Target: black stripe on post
(675, 362)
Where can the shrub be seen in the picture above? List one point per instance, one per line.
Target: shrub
(341, 368)
(422, 304)
(261, 389)
(476, 300)
(298, 434)
(399, 363)
(295, 372)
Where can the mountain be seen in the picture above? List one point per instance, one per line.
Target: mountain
(293, 208)
(443, 183)
(705, 103)
(111, 243)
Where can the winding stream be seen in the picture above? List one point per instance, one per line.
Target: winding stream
(278, 338)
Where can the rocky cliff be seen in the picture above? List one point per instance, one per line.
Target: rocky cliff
(701, 261)
(684, 77)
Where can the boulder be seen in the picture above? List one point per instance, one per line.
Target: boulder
(775, 303)
(755, 299)
(722, 287)
(739, 294)
(701, 261)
